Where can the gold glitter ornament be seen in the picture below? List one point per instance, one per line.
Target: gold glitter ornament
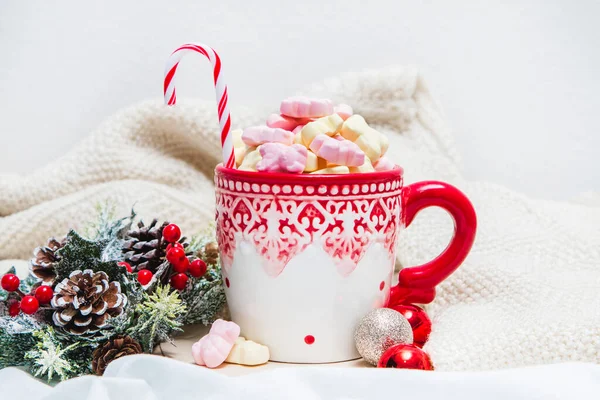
(380, 329)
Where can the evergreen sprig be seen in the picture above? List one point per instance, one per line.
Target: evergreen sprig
(152, 315)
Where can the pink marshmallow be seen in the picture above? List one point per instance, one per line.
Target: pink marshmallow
(384, 164)
(257, 135)
(212, 349)
(297, 129)
(340, 152)
(304, 107)
(343, 110)
(277, 157)
(284, 122)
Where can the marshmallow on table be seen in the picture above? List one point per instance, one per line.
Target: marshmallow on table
(304, 107)
(372, 142)
(250, 160)
(339, 152)
(247, 352)
(277, 157)
(212, 349)
(257, 135)
(340, 169)
(329, 125)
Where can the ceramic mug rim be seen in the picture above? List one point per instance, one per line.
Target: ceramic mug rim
(278, 177)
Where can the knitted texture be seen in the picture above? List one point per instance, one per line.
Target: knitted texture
(527, 294)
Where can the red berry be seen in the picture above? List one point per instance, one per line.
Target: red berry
(197, 268)
(182, 266)
(179, 281)
(176, 256)
(171, 233)
(44, 294)
(29, 304)
(14, 309)
(126, 265)
(10, 282)
(144, 276)
(176, 244)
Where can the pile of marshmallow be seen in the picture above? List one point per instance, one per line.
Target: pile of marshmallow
(312, 136)
(224, 344)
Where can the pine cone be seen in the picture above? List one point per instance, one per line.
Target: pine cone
(84, 301)
(145, 247)
(117, 347)
(211, 253)
(43, 265)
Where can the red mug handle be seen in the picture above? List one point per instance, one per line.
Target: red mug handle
(417, 284)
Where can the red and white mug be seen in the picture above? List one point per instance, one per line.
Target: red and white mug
(305, 257)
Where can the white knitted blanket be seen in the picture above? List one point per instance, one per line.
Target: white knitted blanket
(527, 294)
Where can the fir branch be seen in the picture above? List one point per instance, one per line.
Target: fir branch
(205, 298)
(110, 231)
(157, 317)
(48, 358)
(16, 339)
(79, 253)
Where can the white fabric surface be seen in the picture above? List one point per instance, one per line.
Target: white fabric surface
(527, 294)
(151, 377)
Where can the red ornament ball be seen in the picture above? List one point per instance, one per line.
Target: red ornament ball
(44, 294)
(10, 282)
(177, 258)
(179, 281)
(126, 266)
(144, 276)
(29, 304)
(197, 268)
(171, 233)
(406, 356)
(419, 321)
(14, 309)
(176, 244)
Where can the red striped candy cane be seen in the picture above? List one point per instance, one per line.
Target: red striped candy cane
(220, 89)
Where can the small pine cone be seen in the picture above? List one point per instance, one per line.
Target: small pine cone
(112, 349)
(45, 258)
(211, 253)
(145, 247)
(83, 302)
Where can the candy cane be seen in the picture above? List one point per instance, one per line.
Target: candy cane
(220, 89)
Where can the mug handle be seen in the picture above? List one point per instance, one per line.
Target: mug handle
(417, 284)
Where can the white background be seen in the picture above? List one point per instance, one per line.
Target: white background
(518, 80)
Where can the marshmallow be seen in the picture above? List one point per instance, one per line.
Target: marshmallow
(257, 135)
(297, 136)
(247, 352)
(373, 143)
(329, 125)
(285, 122)
(250, 160)
(340, 169)
(343, 110)
(384, 164)
(212, 349)
(366, 167)
(239, 147)
(277, 157)
(297, 129)
(314, 163)
(338, 152)
(304, 107)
